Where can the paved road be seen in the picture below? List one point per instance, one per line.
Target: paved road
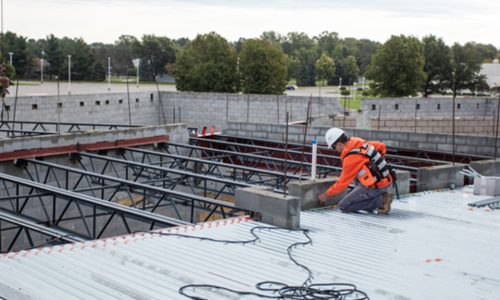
(78, 88)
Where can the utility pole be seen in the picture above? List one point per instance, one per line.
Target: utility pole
(109, 74)
(69, 74)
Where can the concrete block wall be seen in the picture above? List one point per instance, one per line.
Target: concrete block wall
(487, 167)
(92, 108)
(207, 109)
(438, 177)
(469, 144)
(480, 125)
(429, 107)
(175, 132)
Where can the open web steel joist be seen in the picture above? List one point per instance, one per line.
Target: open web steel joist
(76, 214)
(158, 176)
(137, 195)
(25, 228)
(216, 168)
(303, 153)
(30, 128)
(251, 159)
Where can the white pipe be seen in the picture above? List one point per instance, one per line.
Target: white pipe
(314, 158)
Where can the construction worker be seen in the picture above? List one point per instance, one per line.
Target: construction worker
(364, 162)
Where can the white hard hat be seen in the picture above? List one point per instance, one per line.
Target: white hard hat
(332, 135)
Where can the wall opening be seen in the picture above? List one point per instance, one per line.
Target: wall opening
(107, 102)
(374, 107)
(34, 106)
(151, 96)
(97, 102)
(59, 105)
(439, 106)
(82, 103)
(120, 101)
(396, 106)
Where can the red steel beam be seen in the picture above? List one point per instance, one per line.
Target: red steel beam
(82, 147)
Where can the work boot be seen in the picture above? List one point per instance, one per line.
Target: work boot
(386, 203)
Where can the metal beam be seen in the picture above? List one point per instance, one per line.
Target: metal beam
(157, 196)
(167, 177)
(26, 225)
(252, 159)
(278, 148)
(94, 214)
(412, 154)
(214, 168)
(43, 127)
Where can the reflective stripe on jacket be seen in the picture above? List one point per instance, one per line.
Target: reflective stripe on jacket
(353, 164)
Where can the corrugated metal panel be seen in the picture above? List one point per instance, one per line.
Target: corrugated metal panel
(433, 246)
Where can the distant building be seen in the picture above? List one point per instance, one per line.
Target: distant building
(492, 72)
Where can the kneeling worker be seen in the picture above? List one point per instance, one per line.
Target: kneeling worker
(364, 162)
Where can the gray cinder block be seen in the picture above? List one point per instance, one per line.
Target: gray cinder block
(309, 190)
(275, 209)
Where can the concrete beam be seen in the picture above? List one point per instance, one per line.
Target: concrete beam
(438, 177)
(307, 191)
(275, 209)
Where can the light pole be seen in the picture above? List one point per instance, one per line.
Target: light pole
(137, 63)
(69, 74)
(41, 68)
(10, 57)
(109, 74)
(340, 86)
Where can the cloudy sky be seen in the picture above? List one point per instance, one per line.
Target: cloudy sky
(105, 20)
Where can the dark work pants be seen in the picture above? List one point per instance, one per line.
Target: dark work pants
(362, 198)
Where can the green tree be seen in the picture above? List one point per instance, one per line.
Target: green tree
(325, 68)
(98, 72)
(157, 52)
(125, 49)
(295, 42)
(293, 64)
(54, 56)
(397, 68)
(207, 64)
(366, 49)
(21, 59)
(437, 64)
(327, 41)
(351, 70)
(273, 37)
(307, 67)
(465, 67)
(262, 68)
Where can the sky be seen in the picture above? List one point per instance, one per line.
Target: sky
(105, 20)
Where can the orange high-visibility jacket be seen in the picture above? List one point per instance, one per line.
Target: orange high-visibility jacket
(353, 163)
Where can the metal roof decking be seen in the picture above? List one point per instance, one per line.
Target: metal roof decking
(432, 246)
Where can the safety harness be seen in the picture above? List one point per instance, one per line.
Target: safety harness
(375, 170)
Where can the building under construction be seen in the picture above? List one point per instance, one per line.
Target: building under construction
(168, 195)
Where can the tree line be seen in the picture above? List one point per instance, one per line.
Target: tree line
(402, 66)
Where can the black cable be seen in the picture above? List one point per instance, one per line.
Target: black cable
(279, 290)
